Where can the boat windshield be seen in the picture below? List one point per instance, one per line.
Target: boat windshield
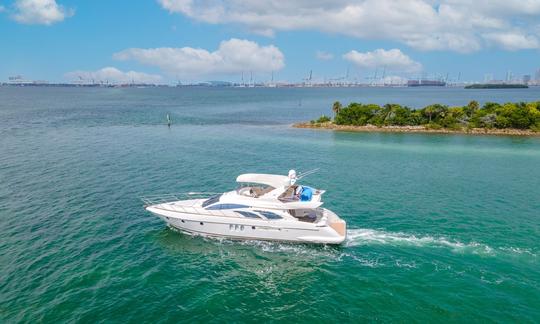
(211, 200)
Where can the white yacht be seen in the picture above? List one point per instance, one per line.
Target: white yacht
(263, 207)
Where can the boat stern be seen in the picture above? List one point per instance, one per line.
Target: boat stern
(336, 224)
(340, 227)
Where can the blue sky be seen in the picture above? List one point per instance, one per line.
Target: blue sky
(218, 40)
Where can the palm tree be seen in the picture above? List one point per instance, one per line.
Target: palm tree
(430, 110)
(472, 107)
(336, 108)
(388, 112)
(442, 111)
(436, 111)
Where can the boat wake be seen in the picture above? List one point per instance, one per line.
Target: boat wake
(364, 236)
(370, 237)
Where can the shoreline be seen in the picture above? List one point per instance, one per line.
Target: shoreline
(416, 129)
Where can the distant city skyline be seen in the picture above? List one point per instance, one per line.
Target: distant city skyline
(170, 41)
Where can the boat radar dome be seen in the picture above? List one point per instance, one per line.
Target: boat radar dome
(292, 176)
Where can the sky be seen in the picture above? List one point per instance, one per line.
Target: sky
(166, 41)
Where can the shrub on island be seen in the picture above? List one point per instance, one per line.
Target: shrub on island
(323, 119)
(521, 115)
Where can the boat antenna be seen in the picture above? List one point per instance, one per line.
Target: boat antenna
(305, 174)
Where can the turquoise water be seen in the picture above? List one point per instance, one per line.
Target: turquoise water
(441, 227)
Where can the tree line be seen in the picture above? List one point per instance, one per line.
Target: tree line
(521, 115)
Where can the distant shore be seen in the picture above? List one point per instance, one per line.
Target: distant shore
(416, 129)
(496, 86)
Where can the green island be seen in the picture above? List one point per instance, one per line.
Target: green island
(522, 118)
(496, 86)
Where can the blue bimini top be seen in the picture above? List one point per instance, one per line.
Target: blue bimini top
(306, 194)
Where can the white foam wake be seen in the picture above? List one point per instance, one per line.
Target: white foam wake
(364, 236)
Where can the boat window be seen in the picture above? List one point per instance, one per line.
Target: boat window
(269, 215)
(226, 206)
(211, 200)
(247, 214)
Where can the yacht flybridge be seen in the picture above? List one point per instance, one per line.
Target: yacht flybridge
(263, 207)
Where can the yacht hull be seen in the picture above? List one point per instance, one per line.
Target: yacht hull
(252, 229)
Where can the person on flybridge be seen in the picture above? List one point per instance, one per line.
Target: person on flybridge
(296, 192)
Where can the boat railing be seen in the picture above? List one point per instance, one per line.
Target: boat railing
(167, 202)
(172, 197)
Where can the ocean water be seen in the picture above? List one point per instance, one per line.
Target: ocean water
(440, 227)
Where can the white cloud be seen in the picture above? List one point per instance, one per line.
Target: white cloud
(457, 25)
(113, 75)
(513, 41)
(325, 56)
(40, 12)
(393, 60)
(232, 56)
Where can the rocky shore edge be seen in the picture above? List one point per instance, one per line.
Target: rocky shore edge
(417, 129)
